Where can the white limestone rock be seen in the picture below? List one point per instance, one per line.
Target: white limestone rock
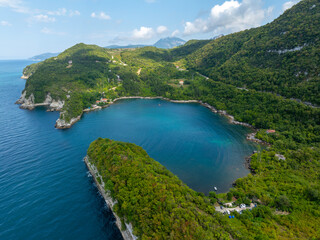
(63, 124)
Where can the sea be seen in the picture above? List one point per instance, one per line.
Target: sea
(46, 191)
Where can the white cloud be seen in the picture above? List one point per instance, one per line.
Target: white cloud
(9, 3)
(46, 30)
(144, 33)
(64, 12)
(162, 29)
(59, 12)
(229, 17)
(51, 32)
(227, 8)
(175, 33)
(19, 6)
(5, 23)
(15, 5)
(288, 5)
(101, 15)
(43, 18)
(74, 13)
(140, 35)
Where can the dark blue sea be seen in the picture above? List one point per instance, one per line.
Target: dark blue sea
(45, 190)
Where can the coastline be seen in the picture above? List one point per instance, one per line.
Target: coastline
(29, 103)
(247, 165)
(250, 136)
(25, 77)
(126, 234)
(61, 124)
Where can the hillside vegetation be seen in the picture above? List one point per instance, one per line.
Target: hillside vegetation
(156, 202)
(281, 57)
(160, 206)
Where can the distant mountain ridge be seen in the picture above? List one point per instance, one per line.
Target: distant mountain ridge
(169, 42)
(126, 46)
(44, 56)
(165, 43)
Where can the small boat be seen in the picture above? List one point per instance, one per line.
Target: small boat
(215, 188)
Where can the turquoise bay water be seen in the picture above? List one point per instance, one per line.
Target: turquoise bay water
(44, 185)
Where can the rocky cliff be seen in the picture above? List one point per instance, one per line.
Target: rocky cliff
(63, 124)
(29, 102)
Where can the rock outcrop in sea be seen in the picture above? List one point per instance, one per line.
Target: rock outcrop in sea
(29, 102)
(63, 124)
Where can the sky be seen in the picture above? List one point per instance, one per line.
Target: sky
(31, 27)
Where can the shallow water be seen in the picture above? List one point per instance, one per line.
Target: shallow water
(45, 189)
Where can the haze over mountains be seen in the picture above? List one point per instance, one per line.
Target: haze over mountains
(43, 56)
(165, 43)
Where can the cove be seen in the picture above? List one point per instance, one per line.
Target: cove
(202, 148)
(44, 185)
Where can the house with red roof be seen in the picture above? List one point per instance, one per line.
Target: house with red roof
(271, 131)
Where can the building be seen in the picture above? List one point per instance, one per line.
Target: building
(280, 157)
(181, 82)
(271, 131)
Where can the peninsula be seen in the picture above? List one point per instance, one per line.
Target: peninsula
(149, 202)
(147, 197)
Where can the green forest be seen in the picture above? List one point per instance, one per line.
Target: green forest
(266, 58)
(160, 206)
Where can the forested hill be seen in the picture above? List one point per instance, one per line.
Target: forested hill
(281, 57)
(75, 68)
(152, 199)
(160, 206)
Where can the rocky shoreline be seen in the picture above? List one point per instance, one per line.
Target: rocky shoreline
(24, 77)
(62, 124)
(250, 137)
(126, 234)
(248, 165)
(53, 105)
(29, 103)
